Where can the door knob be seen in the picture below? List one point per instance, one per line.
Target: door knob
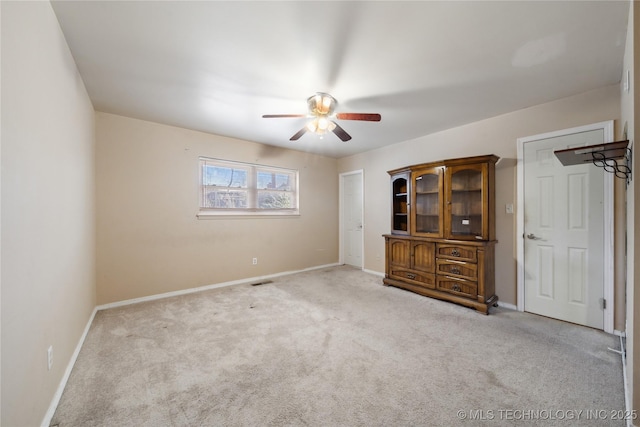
(533, 237)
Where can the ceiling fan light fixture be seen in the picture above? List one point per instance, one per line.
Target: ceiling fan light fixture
(320, 125)
(312, 125)
(321, 104)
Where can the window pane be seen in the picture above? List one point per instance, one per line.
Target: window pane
(283, 182)
(274, 200)
(224, 177)
(274, 180)
(265, 180)
(226, 199)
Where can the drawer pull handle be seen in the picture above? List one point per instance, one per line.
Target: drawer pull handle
(455, 252)
(456, 288)
(411, 276)
(455, 270)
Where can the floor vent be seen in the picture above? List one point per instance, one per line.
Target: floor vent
(262, 283)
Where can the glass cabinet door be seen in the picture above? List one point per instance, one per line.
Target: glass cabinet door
(400, 203)
(427, 202)
(466, 209)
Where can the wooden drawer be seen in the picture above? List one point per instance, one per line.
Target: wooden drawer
(457, 252)
(426, 280)
(459, 287)
(463, 270)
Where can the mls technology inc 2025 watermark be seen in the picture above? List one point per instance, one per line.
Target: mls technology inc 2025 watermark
(545, 414)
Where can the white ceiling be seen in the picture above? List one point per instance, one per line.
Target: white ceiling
(425, 66)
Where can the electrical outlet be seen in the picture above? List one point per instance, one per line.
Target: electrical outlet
(255, 261)
(49, 357)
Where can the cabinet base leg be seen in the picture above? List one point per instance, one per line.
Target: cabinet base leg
(479, 306)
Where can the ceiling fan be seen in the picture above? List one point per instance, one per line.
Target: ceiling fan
(321, 111)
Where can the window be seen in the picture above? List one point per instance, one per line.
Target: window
(234, 188)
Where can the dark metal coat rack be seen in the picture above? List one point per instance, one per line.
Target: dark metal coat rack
(614, 157)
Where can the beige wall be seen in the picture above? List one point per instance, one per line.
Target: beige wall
(629, 115)
(498, 136)
(48, 280)
(149, 240)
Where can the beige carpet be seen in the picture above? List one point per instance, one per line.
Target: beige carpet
(334, 347)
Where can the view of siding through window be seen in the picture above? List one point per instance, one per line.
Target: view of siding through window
(233, 186)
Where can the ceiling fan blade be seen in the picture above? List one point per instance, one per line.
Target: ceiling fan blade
(341, 132)
(281, 116)
(299, 134)
(367, 117)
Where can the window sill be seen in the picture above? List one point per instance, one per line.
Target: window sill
(247, 214)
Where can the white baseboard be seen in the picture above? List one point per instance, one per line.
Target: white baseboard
(207, 287)
(507, 305)
(375, 273)
(63, 382)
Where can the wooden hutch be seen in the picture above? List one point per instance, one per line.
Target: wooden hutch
(443, 231)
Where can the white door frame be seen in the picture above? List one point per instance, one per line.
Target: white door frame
(341, 215)
(607, 127)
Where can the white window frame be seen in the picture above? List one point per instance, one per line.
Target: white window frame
(251, 189)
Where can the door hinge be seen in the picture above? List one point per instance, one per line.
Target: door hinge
(603, 303)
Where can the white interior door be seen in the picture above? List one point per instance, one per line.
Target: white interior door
(564, 232)
(352, 222)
